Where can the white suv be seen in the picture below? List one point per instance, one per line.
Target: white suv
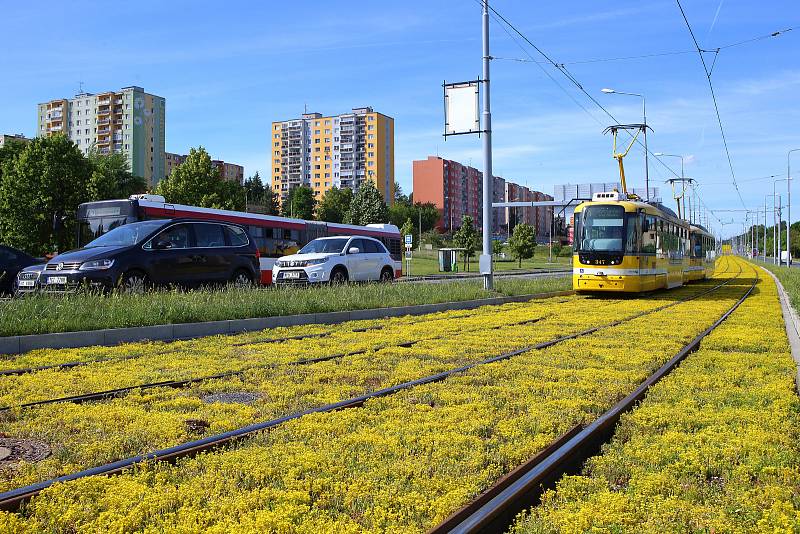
(337, 260)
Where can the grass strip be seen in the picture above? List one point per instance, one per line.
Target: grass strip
(41, 314)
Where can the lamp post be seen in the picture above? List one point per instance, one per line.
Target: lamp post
(644, 116)
(789, 203)
(683, 179)
(774, 182)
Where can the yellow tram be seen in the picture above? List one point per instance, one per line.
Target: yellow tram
(627, 245)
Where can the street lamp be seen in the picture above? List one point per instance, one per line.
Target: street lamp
(683, 179)
(789, 203)
(779, 261)
(644, 115)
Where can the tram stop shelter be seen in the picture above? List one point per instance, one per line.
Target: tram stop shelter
(448, 259)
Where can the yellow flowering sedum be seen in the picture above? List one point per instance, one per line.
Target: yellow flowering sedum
(713, 448)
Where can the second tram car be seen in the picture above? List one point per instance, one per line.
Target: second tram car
(623, 244)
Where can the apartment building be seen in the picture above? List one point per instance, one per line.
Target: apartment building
(129, 121)
(228, 171)
(10, 138)
(457, 190)
(340, 151)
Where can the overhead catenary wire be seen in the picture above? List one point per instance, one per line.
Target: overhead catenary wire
(653, 54)
(714, 100)
(504, 22)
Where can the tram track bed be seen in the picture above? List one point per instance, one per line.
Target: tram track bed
(713, 447)
(400, 462)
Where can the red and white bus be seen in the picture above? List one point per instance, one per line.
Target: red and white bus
(274, 236)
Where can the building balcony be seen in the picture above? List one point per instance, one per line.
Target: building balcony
(103, 141)
(104, 130)
(118, 110)
(118, 101)
(104, 102)
(54, 129)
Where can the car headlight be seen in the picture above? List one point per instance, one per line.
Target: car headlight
(96, 265)
(316, 261)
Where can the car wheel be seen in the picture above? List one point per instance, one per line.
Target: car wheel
(135, 282)
(387, 276)
(241, 279)
(338, 276)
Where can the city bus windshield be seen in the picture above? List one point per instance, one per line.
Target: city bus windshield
(602, 229)
(324, 246)
(127, 235)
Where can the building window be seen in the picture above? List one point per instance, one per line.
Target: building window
(371, 164)
(371, 154)
(327, 130)
(327, 122)
(372, 145)
(316, 175)
(316, 123)
(371, 118)
(371, 136)
(371, 127)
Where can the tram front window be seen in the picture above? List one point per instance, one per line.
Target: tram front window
(603, 229)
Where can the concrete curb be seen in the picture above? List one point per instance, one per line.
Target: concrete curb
(183, 331)
(792, 323)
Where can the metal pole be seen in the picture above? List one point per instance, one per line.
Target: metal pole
(765, 231)
(789, 204)
(646, 165)
(488, 182)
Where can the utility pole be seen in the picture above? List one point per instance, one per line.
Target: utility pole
(488, 181)
(789, 204)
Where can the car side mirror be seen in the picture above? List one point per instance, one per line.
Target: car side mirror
(353, 250)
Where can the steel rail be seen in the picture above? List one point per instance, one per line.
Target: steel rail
(496, 509)
(11, 500)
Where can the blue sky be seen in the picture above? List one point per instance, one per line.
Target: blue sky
(227, 70)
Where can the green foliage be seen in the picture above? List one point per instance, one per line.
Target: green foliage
(522, 242)
(403, 210)
(260, 197)
(111, 177)
(195, 182)
(434, 238)
(467, 238)
(46, 179)
(334, 205)
(368, 206)
(408, 228)
(300, 203)
(556, 248)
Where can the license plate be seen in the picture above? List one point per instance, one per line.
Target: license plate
(26, 283)
(57, 280)
(291, 274)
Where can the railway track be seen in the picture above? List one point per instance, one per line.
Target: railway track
(11, 500)
(495, 509)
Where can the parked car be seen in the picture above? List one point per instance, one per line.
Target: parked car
(135, 256)
(12, 261)
(337, 260)
(28, 280)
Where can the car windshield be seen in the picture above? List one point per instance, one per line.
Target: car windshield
(331, 246)
(126, 235)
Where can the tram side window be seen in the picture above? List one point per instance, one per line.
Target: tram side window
(649, 234)
(632, 236)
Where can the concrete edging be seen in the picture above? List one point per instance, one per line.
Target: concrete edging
(791, 321)
(183, 331)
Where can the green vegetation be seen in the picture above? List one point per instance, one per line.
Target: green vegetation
(300, 203)
(426, 262)
(368, 206)
(334, 205)
(790, 278)
(197, 183)
(42, 183)
(467, 238)
(42, 314)
(259, 196)
(523, 242)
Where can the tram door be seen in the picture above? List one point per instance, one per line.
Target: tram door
(648, 261)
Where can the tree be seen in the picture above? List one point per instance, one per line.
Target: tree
(197, 183)
(401, 211)
(399, 196)
(40, 189)
(523, 242)
(254, 187)
(111, 177)
(467, 238)
(334, 205)
(300, 203)
(368, 206)
(408, 228)
(497, 249)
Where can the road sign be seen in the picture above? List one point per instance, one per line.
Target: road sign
(409, 239)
